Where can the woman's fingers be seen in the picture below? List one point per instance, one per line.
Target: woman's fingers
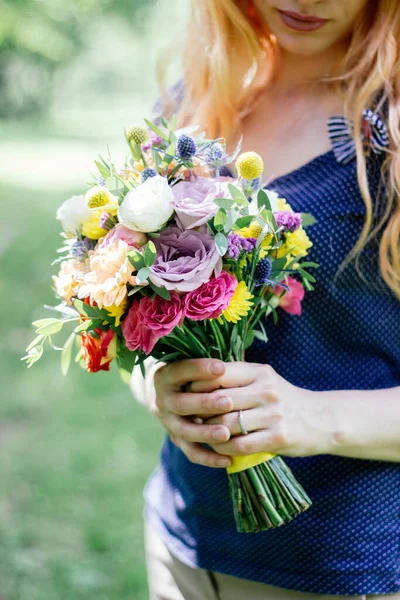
(189, 431)
(272, 440)
(254, 419)
(201, 456)
(185, 404)
(182, 372)
(237, 374)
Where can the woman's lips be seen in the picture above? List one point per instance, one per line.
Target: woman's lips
(301, 22)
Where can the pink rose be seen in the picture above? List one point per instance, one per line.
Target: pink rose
(135, 239)
(194, 200)
(161, 316)
(291, 299)
(136, 336)
(211, 298)
(151, 319)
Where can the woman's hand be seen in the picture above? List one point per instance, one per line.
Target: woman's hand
(280, 417)
(182, 413)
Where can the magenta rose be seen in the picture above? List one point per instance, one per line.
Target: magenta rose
(185, 259)
(135, 239)
(136, 336)
(194, 200)
(211, 298)
(149, 320)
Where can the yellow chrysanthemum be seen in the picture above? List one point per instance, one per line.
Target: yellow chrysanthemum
(249, 165)
(99, 196)
(253, 231)
(283, 204)
(91, 228)
(240, 303)
(297, 242)
(117, 311)
(137, 134)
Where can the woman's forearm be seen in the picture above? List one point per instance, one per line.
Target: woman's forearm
(368, 423)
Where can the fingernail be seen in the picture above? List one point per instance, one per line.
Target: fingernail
(224, 403)
(217, 367)
(223, 462)
(220, 435)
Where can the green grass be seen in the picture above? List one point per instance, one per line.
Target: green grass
(75, 452)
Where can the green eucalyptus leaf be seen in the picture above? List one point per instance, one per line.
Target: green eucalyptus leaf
(263, 200)
(244, 221)
(235, 192)
(220, 218)
(307, 219)
(136, 259)
(221, 242)
(160, 291)
(143, 274)
(225, 203)
(150, 254)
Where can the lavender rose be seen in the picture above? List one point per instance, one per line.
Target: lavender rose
(194, 200)
(185, 259)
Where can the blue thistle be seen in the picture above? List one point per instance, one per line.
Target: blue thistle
(214, 154)
(80, 248)
(186, 147)
(262, 272)
(147, 173)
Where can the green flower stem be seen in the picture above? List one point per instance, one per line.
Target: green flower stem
(219, 338)
(262, 515)
(267, 504)
(196, 342)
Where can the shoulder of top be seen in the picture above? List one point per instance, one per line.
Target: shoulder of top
(374, 133)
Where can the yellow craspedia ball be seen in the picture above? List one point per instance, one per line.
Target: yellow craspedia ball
(249, 165)
(137, 134)
(99, 196)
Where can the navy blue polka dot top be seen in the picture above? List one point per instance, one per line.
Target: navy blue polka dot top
(348, 337)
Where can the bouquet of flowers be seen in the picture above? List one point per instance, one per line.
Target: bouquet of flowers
(168, 256)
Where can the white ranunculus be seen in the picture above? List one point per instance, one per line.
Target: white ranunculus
(147, 207)
(72, 213)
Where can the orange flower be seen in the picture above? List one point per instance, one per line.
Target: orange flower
(98, 352)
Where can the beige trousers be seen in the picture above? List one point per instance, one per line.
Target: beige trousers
(170, 579)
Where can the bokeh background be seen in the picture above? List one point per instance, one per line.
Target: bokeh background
(74, 452)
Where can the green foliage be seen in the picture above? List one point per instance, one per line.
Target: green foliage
(75, 452)
(37, 37)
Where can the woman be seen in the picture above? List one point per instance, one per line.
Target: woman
(291, 76)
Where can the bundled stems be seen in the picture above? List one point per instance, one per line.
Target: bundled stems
(266, 496)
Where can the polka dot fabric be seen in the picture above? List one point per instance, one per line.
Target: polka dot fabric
(348, 337)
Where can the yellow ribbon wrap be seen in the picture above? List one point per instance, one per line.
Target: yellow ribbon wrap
(241, 463)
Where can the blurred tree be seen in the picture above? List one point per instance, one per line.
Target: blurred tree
(39, 36)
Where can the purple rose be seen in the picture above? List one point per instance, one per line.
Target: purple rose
(185, 259)
(194, 200)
